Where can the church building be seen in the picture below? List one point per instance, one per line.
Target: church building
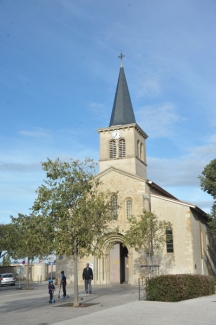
(123, 170)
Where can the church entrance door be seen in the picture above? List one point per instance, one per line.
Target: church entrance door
(118, 264)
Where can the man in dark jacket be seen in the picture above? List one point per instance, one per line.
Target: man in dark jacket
(87, 277)
(63, 283)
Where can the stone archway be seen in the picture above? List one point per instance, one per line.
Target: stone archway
(118, 263)
(114, 259)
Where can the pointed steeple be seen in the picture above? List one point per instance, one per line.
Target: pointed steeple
(122, 112)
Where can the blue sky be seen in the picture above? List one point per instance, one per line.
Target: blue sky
(58, 74)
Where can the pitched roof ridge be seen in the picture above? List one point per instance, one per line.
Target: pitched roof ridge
(120, 171)
(161, 189)
(191, 205)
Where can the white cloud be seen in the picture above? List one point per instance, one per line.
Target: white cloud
(20, 167)
(212, 138)
(174, 172)
(36, 132)
(179, 175)
(97, 108)
(99, 111)
(183, 170)
(158, 121)
(24, 153)
(149, 87)
(97, 105)
(203, 153)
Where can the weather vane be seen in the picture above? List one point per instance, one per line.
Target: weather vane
(121, 57)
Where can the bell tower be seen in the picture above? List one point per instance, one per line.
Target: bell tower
(122, 144)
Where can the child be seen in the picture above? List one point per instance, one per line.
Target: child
(51, 289)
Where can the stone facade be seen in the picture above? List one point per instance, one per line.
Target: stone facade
(193, 244)
(135, 153)
(123, 170)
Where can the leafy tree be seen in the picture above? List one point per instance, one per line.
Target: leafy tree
(76, 211)
(212, 222)
(4, 238)
(2, 249)
(208, 184)
(213, 210)
(6, 260)
(208, 179)
(147, 233)
(26, 236)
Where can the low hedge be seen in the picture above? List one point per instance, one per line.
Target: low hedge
(179, 287)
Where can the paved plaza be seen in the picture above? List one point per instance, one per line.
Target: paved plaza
(112, 304)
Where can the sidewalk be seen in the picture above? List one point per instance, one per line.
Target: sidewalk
(199, 311)
(107, 305)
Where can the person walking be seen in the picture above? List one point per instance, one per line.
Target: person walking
(88, 277)
(63, 283)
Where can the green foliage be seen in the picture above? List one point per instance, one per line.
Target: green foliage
(179, 287)
(26, 236)
(77, 213)
(208, 179)
(2, 250)
(212, 222)
(75, 210)
(7, 238)
(146, 232)
(6, 260)
(208, 184)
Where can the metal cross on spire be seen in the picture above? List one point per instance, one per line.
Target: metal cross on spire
(121, 57)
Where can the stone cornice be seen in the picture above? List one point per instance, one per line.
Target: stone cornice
(124, 127)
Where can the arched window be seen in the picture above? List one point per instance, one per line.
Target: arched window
(129, 208)
(112, 149)
(138, 148)
(169, 240)
(141, 151)
(121, 148)
(114, 206)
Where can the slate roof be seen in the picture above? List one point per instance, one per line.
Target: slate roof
(122, 112)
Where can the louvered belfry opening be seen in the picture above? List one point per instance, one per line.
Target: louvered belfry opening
(112, 149)
(122, 151)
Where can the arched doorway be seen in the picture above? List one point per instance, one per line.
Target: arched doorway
(118, 264)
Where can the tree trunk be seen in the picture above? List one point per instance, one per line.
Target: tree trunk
(151, 247)
(27, 276)
(76, 292)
